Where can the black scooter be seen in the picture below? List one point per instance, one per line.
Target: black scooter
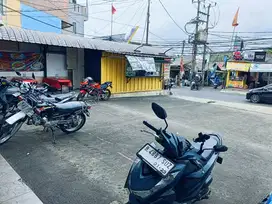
(180, 173)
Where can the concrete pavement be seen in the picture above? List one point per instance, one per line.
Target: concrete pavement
(91, 166)
(13, 190)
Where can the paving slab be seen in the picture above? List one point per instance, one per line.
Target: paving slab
(12, 188)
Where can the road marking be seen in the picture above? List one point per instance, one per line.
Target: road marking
(125, 156)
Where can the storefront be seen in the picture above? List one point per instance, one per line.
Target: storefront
(130, 68)
(238, 75)
(132, 73)
(262, 74)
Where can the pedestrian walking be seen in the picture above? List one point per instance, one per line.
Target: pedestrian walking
(224, 78)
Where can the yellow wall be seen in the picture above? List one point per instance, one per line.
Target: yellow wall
(12, 18)
(234, 84)
(113, 69)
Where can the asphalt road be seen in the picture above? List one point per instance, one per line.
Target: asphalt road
(210, 93)
(90, 167)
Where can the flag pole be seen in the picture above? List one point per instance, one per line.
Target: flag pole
(111, 20)
(232, 40)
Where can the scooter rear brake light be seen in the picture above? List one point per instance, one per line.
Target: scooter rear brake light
(39, 110)
(20, 98)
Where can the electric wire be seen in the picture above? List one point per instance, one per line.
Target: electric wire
(172, 17)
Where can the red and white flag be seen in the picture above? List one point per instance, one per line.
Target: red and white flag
(113, 10)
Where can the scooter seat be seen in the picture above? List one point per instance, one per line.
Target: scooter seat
(209, 144)
(69, 107)
(60, 97)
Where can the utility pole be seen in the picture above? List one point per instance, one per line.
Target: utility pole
(147, 21)
(181, 60)
(205, 45)
(195, 40)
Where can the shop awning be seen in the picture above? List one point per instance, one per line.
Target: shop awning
(238, 66)
(261, 68)
(141, 63)
(14, 34)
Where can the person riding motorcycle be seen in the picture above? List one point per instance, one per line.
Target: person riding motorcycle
(196, 81)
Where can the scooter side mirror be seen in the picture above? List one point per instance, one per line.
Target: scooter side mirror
(159, 111)
(18, 73)
(33, 76)
(220, 148)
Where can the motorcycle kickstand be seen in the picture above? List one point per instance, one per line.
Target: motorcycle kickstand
(53, 136)
(45, 129)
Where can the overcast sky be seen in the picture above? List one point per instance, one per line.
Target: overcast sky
(254, 16)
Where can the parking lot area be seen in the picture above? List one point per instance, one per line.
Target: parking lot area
(90, 167)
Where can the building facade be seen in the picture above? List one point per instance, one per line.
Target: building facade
(130, 68)
(249, 69)
(65, 16)
(60, 17)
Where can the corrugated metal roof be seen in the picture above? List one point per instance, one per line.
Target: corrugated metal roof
(29, 36)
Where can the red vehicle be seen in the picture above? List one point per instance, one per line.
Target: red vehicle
(89, 88)
(56, 84)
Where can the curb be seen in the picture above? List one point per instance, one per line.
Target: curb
(234, 92)
(141, 94)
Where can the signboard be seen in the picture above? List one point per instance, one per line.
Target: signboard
(235, 84)
(166, 69)
(261, 68)
(249, 55)
(259, 56)
(141, 63)
(236, 66)
(10, 61)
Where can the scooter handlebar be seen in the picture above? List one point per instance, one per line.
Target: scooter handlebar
(151, 127)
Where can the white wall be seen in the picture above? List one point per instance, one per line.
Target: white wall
(56, 65)
(75, 62)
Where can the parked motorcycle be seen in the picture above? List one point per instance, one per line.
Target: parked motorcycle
(91, 89)
(9, 102)
(181, 172)
(69, 116)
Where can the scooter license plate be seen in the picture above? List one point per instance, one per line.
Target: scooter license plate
(25, 108)
(155, 160)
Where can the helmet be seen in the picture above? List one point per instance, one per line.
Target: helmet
(4, 81)
(89, 80)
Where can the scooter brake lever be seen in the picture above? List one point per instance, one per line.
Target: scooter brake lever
(151, 133)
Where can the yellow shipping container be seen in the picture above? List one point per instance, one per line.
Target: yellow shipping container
(113, 68)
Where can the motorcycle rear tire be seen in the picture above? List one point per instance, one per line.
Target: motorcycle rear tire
(68, 131)
(107, 96)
